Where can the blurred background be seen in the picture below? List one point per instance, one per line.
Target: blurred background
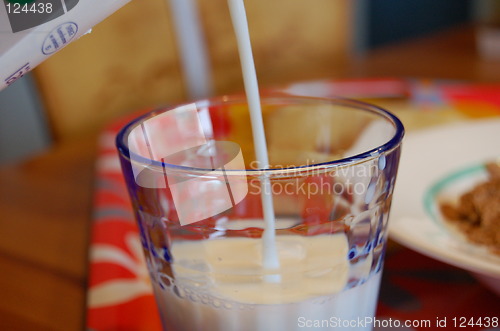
(132, 60)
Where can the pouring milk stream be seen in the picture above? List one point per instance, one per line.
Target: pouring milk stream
(238, 15)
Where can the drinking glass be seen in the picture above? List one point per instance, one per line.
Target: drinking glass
(198, 195)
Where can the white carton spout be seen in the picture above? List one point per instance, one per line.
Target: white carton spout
(31, 32)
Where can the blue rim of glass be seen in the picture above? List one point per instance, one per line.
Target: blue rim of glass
(391, 144)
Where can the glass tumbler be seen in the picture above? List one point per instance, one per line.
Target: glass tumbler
(199, 196)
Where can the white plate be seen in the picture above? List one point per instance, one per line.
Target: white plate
(429, 156)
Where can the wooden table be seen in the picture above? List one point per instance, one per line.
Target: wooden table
(45, 203)
(450, 54)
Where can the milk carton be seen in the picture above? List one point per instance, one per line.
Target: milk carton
(33, 30)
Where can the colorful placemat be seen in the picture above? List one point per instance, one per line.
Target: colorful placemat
(416, 293)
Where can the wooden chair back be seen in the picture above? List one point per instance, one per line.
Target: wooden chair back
(131, 61)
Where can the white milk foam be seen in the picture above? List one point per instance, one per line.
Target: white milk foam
(220, 285)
